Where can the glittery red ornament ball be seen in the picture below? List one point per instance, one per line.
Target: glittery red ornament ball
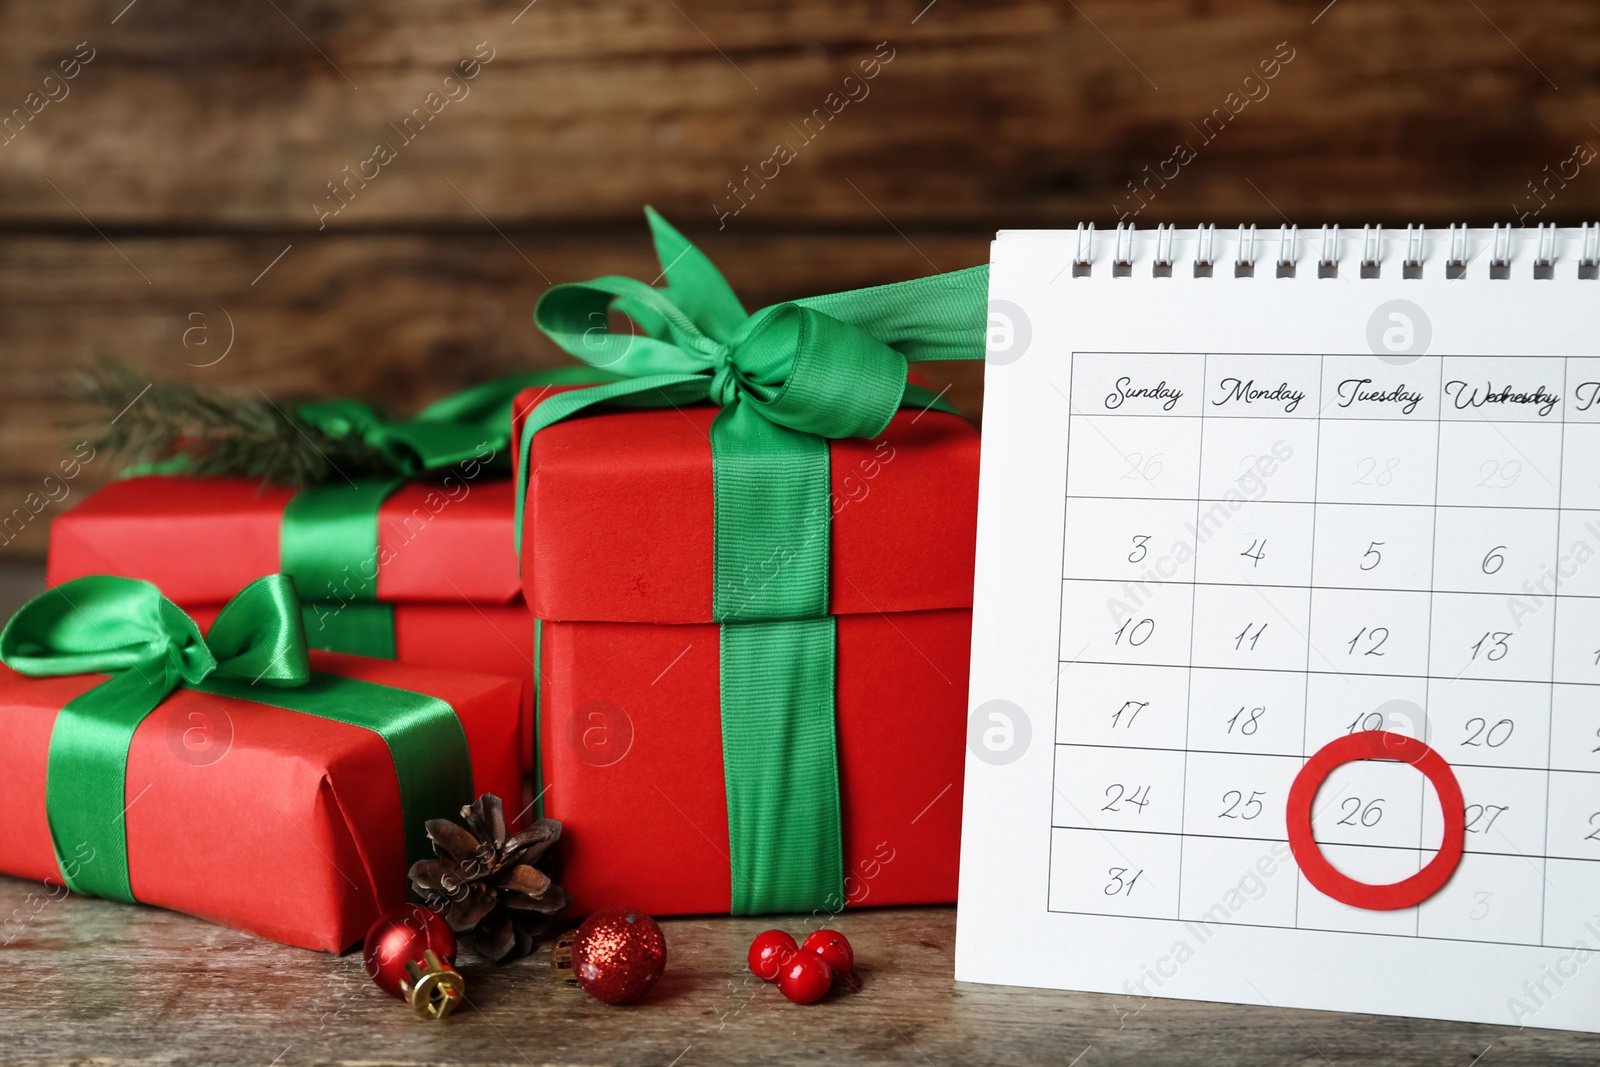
(618, 954)
(400, 936)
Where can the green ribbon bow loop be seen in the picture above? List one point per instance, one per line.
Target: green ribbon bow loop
(787, 378)
(255, 651)
(126, 628)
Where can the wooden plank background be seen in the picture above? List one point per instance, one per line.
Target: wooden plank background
(171, 202)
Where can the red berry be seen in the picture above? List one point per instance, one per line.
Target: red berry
(832, 946)
(768, 952)
(805, 977)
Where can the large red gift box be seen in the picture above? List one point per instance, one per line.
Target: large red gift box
(284, 824)
(446, 561)
(617, 553)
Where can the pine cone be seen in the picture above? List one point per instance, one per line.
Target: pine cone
(485, 884)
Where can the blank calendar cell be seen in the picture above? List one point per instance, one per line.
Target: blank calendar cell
(1504, 811)
(1111, 455)
(1246, 882)
(1113, 622)
(1580, 466)
(1500, 465)
(1373, 803)
(1371, 546)
(1340, 704)
(1377, 866)
(1492, 550)
(1483, 636)
(1576, 569)
(1489, 898)
(1113, 704)
(1358, 465)
(1249, 627)
(1259, 459)
(1492, 724)
(1257, 712)
(1574, 818)
(1232, 795)
(1575, 728)
(1260, 543)
(1577, 636)
(1360, 632)
(1114, 873)
(1129, 540)
(1572, 905)
(1119, 789)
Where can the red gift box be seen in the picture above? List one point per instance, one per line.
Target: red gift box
(446, 561)
(617, 554)
(283, 825)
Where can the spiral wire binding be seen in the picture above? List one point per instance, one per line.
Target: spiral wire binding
(1501, 245)
(1372, 251)
(1411, 266)
(1245, 265)
(1205, 252)
(1288, 250)
(1122, 261)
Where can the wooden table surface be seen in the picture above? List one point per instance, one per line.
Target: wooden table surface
(98, 982)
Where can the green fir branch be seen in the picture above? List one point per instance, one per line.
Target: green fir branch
(169, 427)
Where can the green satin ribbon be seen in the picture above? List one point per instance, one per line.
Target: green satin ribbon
(255, 651)
(787, 378)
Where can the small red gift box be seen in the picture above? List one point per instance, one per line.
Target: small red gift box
(445, 562)
(270, 821)
(618, 567)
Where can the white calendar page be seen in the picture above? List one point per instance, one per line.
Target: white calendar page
(1226, 521)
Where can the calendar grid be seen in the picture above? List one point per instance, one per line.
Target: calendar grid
(1204, 581)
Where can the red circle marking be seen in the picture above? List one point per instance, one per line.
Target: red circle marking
(1376, 744)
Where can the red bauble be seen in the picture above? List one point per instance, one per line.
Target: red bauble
(618, 954)
(832, 946)
(400, 936)
(805, 977)
(768, 952)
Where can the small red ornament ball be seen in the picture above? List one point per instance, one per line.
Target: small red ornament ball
(400, 936)
(832, 946)
(805, 977)
(618, 954)
(768, 952)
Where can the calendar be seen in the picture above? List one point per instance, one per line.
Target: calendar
(1286, 652)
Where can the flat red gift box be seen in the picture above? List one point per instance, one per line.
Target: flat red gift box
(201, 540)
(617, 553)
(449, 567)
(293, 833)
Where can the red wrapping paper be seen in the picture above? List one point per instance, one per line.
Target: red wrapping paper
(294, 833)
(631, 744)
(617, 547)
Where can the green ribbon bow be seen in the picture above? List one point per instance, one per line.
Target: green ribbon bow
(787, 378)
(256, 651)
